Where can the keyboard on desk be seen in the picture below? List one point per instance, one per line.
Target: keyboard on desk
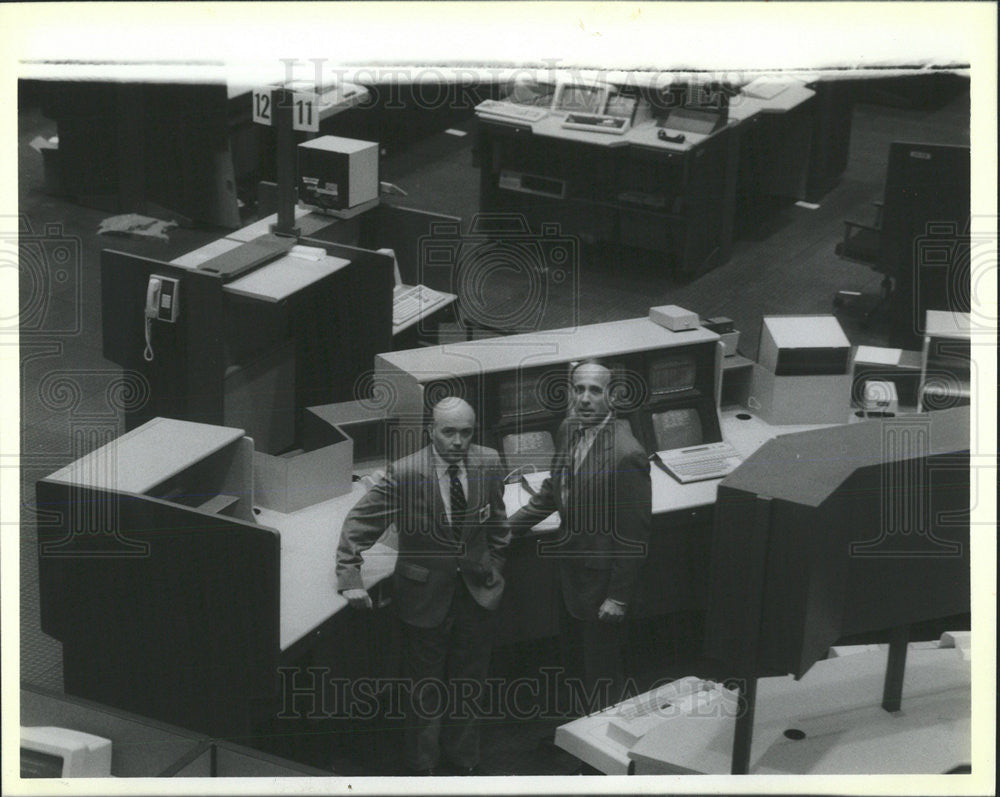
(596, 123)
(521, 113)
(697, 463)
(410, 301)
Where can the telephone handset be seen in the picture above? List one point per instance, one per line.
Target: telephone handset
(153, 297)
(161, 304)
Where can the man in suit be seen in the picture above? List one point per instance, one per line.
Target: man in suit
(447, 503)
(601, 487)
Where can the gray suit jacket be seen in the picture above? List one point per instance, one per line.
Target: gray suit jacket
(431, 556)
(605, 509)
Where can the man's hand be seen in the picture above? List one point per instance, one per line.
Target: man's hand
(611, 611)
(357, 598)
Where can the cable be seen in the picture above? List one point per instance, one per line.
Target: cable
(521, 468)
(147, 355)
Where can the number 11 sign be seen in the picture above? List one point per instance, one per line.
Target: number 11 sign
(305, 114)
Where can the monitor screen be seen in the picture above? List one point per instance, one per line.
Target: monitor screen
(532, 93)
(678, 428)
(621, 105)
(36, 764)
(519, 397)
(529, 448)
(579, 99)
(691, 120)
(671, 374)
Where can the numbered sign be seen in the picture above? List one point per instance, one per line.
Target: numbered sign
(262, 111)
(305, 113)
(305, 109)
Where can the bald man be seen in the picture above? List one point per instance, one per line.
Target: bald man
(600, 485)
(446, 501)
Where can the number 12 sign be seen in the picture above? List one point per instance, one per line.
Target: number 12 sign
(305, 114)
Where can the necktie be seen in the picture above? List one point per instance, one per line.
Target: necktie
(576, 449)
(457, 497)
(576, 436)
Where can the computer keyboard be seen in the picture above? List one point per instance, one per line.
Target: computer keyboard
(410, 301)
(595, 123)
(710, 461)
(522, 113)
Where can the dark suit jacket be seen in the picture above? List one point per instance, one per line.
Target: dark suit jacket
(605, 519)
(430, 555)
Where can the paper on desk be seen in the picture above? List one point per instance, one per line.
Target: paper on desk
(878, 355)
(534, 481)
(134, 224)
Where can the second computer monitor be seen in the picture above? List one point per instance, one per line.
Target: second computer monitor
(581, 97)
(679, 408)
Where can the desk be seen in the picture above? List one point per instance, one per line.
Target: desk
(283, 278)
(234, 598)
(632, 188)
(835, 704)
(326, 228)
(675, 575)
(175, 606)
(297, 331)
(309, 540)
(684, 198)
(744, 431)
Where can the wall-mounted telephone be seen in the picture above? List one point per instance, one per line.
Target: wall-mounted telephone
(162, 298)
(162, 304)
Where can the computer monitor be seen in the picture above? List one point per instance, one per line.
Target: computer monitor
(530, 395)
(580, 97)
(677, 428)
(50, 752)
(534, 449)
(671, 373)
(693, 120)
(530, 92)
(621, 105)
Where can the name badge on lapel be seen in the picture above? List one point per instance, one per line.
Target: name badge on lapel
(484, 513)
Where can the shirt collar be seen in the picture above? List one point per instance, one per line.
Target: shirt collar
(441, 467)
(591, 431)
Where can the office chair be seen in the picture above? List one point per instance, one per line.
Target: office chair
(920, 240)
(862, 243)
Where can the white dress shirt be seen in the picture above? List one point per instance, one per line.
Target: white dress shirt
(444, 481)
(586, 442)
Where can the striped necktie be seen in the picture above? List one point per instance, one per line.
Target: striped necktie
(457, 497)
